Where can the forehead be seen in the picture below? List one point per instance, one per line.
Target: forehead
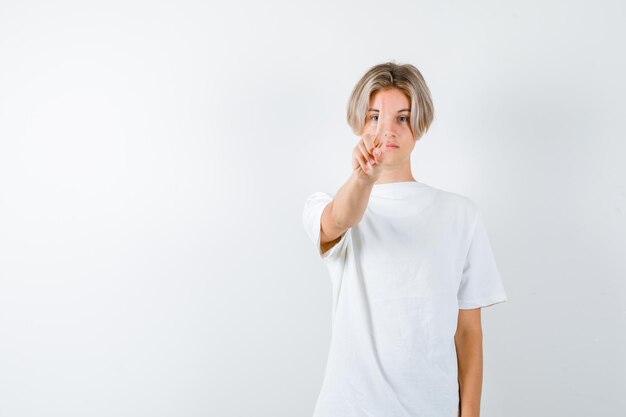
(391, 98)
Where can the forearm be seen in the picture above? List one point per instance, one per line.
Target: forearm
(351, 200)
(470, 366)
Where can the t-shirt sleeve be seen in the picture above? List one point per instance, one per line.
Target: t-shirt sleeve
(311, 218)
(481, 285)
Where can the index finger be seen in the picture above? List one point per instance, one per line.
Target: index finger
(372, 140)
(377, 136)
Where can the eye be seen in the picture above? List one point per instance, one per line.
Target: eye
(406, 118)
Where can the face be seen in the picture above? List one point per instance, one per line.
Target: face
(388, 114)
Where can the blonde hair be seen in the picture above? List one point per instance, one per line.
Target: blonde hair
(405, 77)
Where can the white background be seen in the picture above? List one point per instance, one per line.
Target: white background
(155, 158)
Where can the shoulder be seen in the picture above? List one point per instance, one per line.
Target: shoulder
(318, 194)
(318, 197)
(456, 202)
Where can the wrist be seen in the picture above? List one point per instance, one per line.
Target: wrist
(363, 181)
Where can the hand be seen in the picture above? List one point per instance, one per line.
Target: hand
(367, 157)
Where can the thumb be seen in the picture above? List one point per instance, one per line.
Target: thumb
(378, 154)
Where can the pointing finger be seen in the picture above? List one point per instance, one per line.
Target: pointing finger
(377, 134)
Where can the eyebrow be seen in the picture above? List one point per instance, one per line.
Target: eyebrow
(399, 111)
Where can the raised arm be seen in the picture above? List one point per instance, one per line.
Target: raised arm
(347, 207)
(344, 211)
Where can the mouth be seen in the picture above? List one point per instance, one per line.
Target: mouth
(391, 146)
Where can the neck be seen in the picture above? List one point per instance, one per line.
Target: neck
(395, 175)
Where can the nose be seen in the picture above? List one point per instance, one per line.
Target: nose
(387, 127)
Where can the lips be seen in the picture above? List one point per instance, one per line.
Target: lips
(391, 145)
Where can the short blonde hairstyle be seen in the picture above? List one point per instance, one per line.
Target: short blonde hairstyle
(405, 77)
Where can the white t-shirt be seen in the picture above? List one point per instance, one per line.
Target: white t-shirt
(399, 277)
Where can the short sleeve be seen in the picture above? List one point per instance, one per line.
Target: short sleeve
(481, 285)
(311, 218)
